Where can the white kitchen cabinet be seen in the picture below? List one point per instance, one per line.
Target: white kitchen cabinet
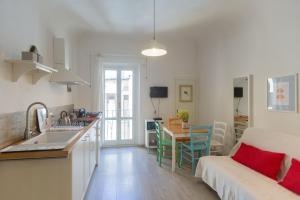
(93, 148)
(61, 178)
(86, 159)
(83, 159)
(98, 127)
(77, 171)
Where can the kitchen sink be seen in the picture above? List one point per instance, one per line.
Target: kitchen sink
(52, 137)
(46, 141)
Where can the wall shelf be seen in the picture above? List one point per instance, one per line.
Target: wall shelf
(21, 67)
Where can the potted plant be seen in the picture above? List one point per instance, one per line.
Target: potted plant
(184, 116)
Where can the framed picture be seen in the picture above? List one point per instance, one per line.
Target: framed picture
(282, 93)
(185, 93)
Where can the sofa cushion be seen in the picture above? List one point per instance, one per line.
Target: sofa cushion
(273, 140)
(265, 162)
(232, 180)
(292, 179)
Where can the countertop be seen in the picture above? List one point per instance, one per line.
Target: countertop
(62, 153)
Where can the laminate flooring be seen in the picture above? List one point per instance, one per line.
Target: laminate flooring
(131, 173)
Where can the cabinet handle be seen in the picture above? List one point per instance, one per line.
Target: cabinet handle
(84, 140)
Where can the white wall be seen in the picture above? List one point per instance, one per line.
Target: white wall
(263, 40)
(21, 26)
(179, 62)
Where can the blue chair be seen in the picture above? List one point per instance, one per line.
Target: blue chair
(199, 145)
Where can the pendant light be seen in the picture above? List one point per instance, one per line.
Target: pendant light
(154, 48)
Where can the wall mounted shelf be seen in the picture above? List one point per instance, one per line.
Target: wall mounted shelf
(21, 67)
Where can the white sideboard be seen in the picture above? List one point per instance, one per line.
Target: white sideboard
(150, 134)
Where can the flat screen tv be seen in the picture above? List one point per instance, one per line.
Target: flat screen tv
(158, 92)
(238, 92)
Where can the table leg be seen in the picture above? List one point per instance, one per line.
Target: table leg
(173, 153)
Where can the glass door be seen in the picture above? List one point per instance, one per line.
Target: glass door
(119, 99)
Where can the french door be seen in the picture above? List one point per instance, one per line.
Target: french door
(119, 99)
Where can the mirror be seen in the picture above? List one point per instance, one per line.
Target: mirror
(242, 104)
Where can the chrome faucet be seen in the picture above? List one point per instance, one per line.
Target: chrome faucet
(27, 133)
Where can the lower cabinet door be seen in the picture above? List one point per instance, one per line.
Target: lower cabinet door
(98, 141)
(77, 171)
(84, 157)
(86, 160)
(93, 148)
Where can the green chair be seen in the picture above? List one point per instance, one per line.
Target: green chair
(198, 145)
(163, 145)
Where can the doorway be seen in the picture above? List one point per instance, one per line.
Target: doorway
(119, 81)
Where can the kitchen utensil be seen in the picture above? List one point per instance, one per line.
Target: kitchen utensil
(73, 116)
(64, 118)
(82, 112)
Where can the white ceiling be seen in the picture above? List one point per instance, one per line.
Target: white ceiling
(133, 16)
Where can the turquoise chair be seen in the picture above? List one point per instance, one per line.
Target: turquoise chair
(163, 144)
(198, 146)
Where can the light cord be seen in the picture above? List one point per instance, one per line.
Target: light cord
(154, 19)
(153, 106)
(237, 108)
(158, 107)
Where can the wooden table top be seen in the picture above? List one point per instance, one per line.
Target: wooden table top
(177, 129)
(241, 118)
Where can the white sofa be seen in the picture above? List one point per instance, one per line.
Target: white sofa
(234, 181)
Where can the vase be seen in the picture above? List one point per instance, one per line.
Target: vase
(185, 125)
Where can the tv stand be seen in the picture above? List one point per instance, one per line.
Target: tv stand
(150, 134)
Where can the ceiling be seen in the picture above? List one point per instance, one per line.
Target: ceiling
(133, 16)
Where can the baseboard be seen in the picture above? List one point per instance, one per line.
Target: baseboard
(123, 145)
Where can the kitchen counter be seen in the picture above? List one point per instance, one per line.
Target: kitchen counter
(52, 174)
(45, 153)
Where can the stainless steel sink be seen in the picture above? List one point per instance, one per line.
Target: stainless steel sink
(46, 141)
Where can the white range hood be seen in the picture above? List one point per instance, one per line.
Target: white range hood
(67, 77)
(64, 75)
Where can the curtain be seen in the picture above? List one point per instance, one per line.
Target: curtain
(96, 82)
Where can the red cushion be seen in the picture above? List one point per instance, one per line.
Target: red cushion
(292, 179)
(265, 162)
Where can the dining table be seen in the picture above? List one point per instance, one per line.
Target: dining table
(176, 131)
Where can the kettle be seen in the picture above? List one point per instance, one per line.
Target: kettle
(73, 116)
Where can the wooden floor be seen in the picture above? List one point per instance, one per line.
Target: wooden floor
(131, 173)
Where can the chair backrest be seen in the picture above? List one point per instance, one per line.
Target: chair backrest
(219, 131)
(175, 121)
(158, 133)
(199, 138)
